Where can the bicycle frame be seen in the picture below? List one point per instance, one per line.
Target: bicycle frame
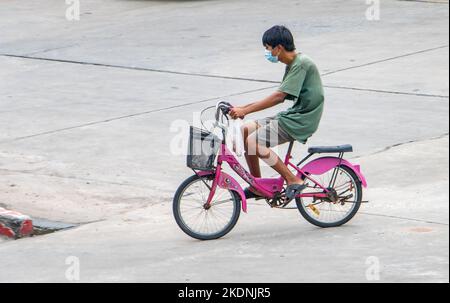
(269, 187)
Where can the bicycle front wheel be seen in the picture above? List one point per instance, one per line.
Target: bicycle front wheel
(198, 221)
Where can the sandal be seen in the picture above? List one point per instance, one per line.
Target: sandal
(293, 190)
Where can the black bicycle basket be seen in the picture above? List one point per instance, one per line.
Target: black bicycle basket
(202, 149)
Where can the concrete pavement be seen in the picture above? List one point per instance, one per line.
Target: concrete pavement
(86, 110)
(404, 227)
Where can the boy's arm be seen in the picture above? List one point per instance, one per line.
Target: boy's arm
(272, 100)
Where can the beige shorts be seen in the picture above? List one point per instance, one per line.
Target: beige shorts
(270, 133)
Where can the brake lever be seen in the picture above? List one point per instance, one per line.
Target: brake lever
(225, 108)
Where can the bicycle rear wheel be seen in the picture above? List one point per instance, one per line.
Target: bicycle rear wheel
(323, 213)
(201, 222)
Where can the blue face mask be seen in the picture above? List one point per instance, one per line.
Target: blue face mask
(270, 57)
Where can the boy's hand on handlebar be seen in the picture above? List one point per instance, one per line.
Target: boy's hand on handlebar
(237, 112)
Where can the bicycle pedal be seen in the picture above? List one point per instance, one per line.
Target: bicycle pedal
(314, 210)
(272, 203)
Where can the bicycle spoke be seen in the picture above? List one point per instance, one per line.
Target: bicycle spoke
(206, 221)
(331, 211)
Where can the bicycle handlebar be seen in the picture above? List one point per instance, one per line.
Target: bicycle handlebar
(223, 107)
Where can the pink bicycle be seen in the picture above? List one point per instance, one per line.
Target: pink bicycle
(207, 205)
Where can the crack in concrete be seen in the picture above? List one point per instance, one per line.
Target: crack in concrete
(387, 148)
(242, 78)
(387, 59)
(387, 91)
(136, 68)
(50, 49)
(57, 176)
(403, 218)
(209, 76)
(131, 115)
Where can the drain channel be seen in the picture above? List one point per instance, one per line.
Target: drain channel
(43, 227)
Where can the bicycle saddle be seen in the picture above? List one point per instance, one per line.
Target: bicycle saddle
(330, 149)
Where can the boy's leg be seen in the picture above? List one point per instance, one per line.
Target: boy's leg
(272, 159)
(270, 135)
(251, 157)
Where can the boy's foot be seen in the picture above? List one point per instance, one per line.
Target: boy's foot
(249, 194)
(292, 191)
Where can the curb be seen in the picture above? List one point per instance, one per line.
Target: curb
(14, 224)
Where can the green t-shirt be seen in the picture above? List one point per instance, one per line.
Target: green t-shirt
(303, 85)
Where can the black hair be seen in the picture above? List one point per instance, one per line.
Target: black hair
(279, 35)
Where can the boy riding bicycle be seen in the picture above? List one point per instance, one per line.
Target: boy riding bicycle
(301, 84)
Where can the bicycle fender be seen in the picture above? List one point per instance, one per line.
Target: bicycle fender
(322, 165)
(228, 182)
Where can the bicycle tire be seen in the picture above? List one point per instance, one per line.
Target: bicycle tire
(186, 229)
